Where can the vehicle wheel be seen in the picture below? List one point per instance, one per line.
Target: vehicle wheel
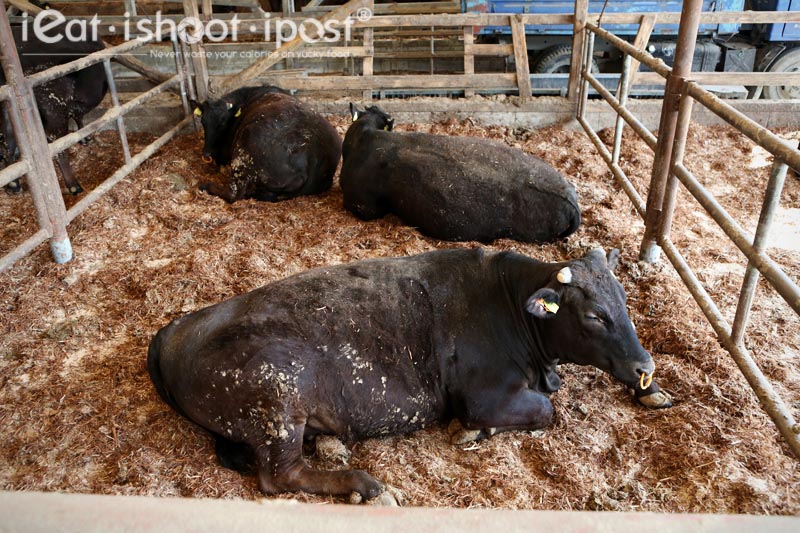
(556, 60)
(789, 61)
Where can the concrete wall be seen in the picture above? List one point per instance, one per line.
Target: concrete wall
(49, 512)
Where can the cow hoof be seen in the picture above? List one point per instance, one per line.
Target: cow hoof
(390, 497)
(657, 400)
(75, 190)
(459, 435)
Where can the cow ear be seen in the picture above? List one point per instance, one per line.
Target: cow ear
(613, 259)
(543, 304)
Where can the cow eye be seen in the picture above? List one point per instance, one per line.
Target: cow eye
(595, 318)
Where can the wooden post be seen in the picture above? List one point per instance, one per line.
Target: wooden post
(367, 66)
(33, 147)
(521, 57)
(339, 14)
(208, 9)
(198, 55)
(642, 38)
(469, 58)
(130, 7)
(578, 26)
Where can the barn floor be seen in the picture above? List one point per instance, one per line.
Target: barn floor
(78, 413)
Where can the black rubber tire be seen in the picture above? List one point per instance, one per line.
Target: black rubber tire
(556, 60)
(788, 61)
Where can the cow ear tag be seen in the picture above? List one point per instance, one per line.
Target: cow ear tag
(198, 112)
(564, 276)
(386, 128)
(238, 113)
(355, 116)
(550, 307)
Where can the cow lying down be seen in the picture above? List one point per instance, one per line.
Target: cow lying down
(276, 146)
(390, 346)
(453, 188)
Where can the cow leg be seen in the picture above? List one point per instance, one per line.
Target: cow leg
(281, 468)
(493, 413)
(79, 123)
(226, 192)
(365, 205)
(66, 172)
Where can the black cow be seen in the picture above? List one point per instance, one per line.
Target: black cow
(453, 188)
(390, 346)
(59, 100)
(276, 146)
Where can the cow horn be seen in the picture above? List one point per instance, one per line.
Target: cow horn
(564, 276)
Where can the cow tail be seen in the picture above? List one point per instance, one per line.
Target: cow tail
(154, 369)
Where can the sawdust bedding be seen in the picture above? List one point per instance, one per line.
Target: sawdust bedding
(78, 412)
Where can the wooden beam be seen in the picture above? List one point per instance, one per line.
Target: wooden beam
(521, 57)
(198, 54)
(367, 65)
(454, 82)
(642, 38)
(469, 58)
(578, 25)
(339, 14)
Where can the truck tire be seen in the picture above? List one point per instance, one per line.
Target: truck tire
(556, 60)
(788, 61)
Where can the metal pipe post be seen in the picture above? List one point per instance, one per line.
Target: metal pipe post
(112, 88)
(771, 200)
(33, 146)
(678, 149)
(684, 53)
(622, 98)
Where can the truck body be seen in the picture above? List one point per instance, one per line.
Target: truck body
(720, 47)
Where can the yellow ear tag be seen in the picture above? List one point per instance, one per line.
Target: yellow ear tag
(355, 116)
(386, 128)
(197, 112)
(550, 307)
(238, 113)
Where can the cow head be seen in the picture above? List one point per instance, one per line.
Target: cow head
(219, 118)
(584, 320)
(372, 116)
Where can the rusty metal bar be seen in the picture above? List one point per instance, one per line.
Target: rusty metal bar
(758, 134)
(23, 249)
(584, 87)
(14, 171)
(32, 142)
(770, 401)
(656, 65)
(62, 143)
(86, 61)
(787, 288)
(622, 98)
(678, 149)
(629, 117)
(581, 12)
(183, 77)
(125, 170)
(112, 88)
(772, 198)
(682, 69)
(618, 173)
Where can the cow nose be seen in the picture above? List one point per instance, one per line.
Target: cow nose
(646, 367)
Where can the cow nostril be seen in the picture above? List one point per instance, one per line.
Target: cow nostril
(206, 159)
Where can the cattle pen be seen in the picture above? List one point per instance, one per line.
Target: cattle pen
(709, 186)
